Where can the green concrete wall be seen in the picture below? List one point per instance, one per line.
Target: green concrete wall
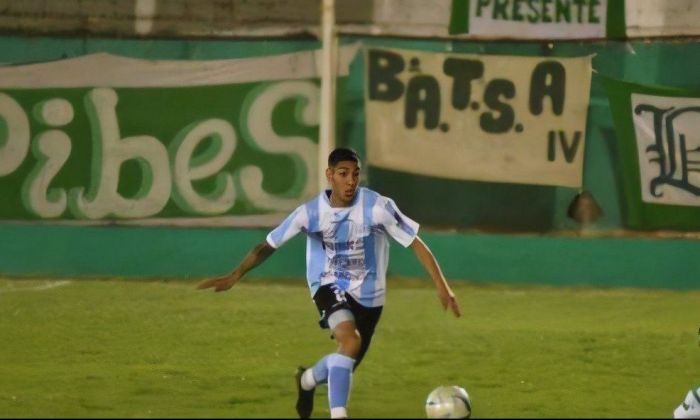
(542, 255)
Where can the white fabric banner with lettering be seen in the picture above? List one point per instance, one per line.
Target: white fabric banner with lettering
(478, 117)
(668, 148)
(538, 19)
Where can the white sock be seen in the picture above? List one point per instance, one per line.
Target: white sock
(339, 413)
(307, 380)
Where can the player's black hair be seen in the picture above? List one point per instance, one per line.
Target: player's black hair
(340, 154)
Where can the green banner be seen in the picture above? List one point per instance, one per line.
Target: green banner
(538, 19)
(227, 142)
(659, 145)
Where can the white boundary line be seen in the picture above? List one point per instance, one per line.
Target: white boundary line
(50, 285)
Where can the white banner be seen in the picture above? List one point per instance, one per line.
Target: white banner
(538, 19)
(478, 117)
(668, 148)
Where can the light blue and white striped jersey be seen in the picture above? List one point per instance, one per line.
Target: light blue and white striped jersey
(348, 246)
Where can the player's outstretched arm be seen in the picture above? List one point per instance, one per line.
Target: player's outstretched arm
(428, 261)
(254, 258)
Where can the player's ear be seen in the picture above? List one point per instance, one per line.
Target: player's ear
(329, 174)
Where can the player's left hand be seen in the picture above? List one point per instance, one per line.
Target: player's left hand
(449, 300)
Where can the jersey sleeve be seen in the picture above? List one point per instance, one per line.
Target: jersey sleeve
(399, 226)
(293, 224)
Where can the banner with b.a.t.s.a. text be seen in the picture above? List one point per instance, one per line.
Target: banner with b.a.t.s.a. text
(658, 131)
(538, 19)
(478, 117)
(103, 139)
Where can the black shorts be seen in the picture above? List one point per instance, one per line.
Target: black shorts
(329, 299)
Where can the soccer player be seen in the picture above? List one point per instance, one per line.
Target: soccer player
(347, 254)
(690, 407)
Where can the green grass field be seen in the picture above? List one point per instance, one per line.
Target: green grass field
(134, 349)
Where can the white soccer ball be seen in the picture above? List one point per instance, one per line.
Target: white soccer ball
(448, 402)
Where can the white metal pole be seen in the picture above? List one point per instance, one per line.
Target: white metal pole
(326, 140)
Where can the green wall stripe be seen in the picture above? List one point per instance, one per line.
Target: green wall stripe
(184, 253)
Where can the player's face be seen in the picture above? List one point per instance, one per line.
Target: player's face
(343, 179)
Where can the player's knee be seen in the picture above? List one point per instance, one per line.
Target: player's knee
(351, 346)
(349, 340)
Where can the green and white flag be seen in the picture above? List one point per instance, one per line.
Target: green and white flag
(658, 130)
(538, 19)
(103, 139)
(476, 117)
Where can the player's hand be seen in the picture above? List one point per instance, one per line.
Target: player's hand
(448, 300)
(219, 284)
